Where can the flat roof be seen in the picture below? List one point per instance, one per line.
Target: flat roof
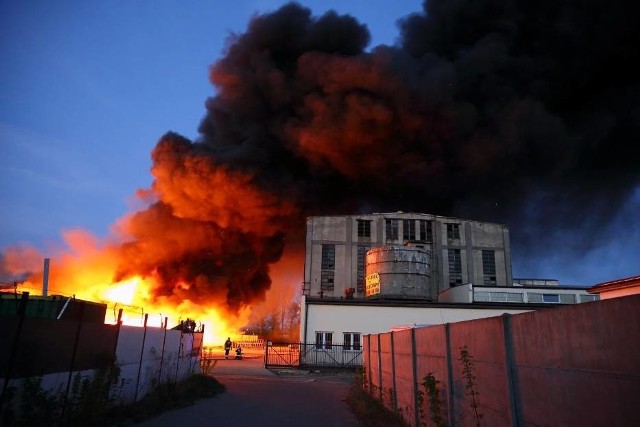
(612, 285)
(396, 213)
(389, 302)
(546, 288)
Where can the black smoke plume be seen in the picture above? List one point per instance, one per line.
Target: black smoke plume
(519, 112)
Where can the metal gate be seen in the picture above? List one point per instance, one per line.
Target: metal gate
(312, 355)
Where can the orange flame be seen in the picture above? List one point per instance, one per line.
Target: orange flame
(86, 272)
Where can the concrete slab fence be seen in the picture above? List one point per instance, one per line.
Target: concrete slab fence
(576, 365)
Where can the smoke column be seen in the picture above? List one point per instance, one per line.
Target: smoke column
(519, 112)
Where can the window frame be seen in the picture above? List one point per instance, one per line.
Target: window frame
(454, 261)
(453, 231)
(324, 340)
(361, 254)
(364, 227)
(408, 230)
(392, 229)
(425, 230)
(489, 267)
(350, 343)
(328, 257)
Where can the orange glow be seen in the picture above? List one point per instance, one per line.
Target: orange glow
(203, 249)
(86, 272)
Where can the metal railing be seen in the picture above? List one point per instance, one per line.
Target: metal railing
(312, 355)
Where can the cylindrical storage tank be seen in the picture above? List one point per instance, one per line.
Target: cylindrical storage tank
(399, 272)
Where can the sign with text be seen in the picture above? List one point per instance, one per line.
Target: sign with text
(373, 284)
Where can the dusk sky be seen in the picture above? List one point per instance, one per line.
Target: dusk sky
(87, 88)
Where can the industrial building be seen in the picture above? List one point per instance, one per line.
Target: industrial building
(374, 273)
(457, 251)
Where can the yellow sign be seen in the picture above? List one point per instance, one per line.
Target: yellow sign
(373, 284)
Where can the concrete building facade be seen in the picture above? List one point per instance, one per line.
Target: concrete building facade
(461, 251)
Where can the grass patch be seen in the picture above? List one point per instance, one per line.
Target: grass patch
(165, 398)
(368, 410)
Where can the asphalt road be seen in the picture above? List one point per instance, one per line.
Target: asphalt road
(258, 397)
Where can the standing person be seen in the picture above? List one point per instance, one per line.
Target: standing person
(227, 347)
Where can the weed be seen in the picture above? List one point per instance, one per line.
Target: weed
(470, 385)
(430, 384)
(370, 411)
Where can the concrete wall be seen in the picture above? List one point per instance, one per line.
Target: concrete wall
(463, 293)
(145, 357)
(573, 365)
(147, 360)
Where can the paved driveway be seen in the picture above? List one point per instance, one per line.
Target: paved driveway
(258, 397)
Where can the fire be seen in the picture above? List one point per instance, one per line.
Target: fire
(123, 292)
(86, 271)
(134, 297)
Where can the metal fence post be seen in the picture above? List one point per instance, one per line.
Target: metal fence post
(144, 337)
(73, 361)
(164, 340)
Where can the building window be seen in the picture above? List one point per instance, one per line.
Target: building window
(483, 296)
(552, 298)
(453, 231)
(326, 280)
(567, 299)
(589, 298)
(545, 298)
(328, 256)
(479, 296)
(364, 228)
(408, 229)
(514, 297)
(362, 262)
(455, 267)
(489, 268)
(426, 234)
(351, 341)
(391, 228)
(324, 340)
(328, 264)
(534, 298)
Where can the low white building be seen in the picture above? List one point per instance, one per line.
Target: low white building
(548, 294)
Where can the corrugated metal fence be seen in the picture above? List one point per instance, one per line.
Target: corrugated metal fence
(57, 351)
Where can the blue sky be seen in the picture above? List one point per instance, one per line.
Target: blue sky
(88, 87)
